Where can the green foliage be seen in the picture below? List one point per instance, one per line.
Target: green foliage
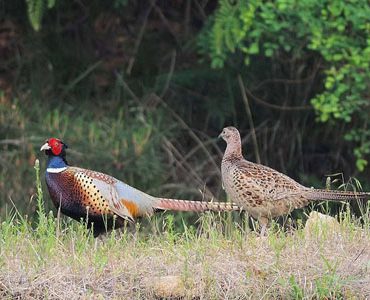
(338, 32)
(230, 25)
(36, 10)
(362, 138)
(297, 291)
(42, 219)
(120, 3)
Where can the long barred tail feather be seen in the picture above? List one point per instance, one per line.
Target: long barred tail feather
(317, 194)
(196, 206)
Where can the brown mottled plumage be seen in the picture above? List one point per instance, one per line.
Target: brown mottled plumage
(264, 192)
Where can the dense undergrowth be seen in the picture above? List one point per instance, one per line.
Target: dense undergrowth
(214, 258)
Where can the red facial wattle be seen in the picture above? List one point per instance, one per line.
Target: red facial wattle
(56, 146)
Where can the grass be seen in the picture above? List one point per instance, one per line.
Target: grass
(57, 258)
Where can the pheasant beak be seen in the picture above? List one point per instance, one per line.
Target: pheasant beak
(45, 147)
(221, 135)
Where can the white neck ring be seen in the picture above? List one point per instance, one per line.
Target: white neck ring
(55, 170)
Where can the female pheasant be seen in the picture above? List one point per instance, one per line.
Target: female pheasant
(96, 197)
(264, 192)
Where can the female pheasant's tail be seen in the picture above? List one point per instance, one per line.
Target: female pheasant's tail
(196, 206)
(317, 194)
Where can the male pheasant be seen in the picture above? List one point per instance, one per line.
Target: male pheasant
(264, 192)
(96, 197)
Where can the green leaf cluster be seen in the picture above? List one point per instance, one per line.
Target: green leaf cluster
(36, 10)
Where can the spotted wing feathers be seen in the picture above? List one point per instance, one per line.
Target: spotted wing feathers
(122, 199)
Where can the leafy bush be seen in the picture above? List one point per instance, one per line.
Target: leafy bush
(36, 10)
(337, 32)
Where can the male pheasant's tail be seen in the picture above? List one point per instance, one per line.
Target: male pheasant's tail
(196, 206)
(317, 194)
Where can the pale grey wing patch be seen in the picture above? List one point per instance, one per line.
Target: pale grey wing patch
(143, 201)
(124, 200)
(110, 193)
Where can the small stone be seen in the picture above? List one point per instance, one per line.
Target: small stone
(171, 286)
(319, 224)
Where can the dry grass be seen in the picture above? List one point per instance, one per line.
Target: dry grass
(211, 264)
